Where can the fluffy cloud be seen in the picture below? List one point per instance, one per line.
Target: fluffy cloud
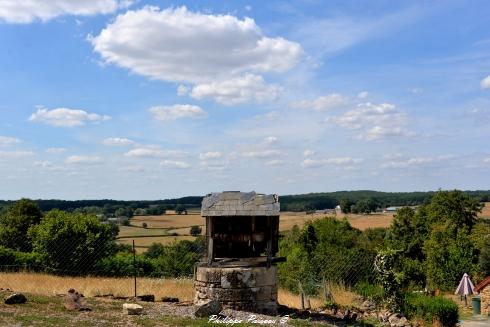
(83, 160)
(210, 155)
(379, 132)
(308, 153)
(7, 140)
(55, 150)
(154, 153)
(174, 164)
(338, 161)
(26, 11)
(270, 140)
(191, 46)
(248, 88)
(117, 141)
(363, 95)
(374, 121)
(65, 117)
(15, 154)
(177, 111)
(274, 162)
(262, 154)
(415, 162)
(485, 83)
(321, 103)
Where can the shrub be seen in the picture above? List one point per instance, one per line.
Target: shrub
(12, 259)
(121, 265)
(195, 230)
(144, 225)
(369, 291)
(430, 309)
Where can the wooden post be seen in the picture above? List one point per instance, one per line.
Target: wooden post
(269, 243)
(209, 236)
(302, 295)
(134, 268)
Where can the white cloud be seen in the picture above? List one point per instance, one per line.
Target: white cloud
(174, 164)
(337, 161)
(415, 162)
(191, 46)
(154, 153)
(182, 90)
(485, 83)
(27, 11)
(55, 150)
(308, 153)
(379, 132)
(7, 140)
(117, 141)
(262, 154)
(83, 160)
(42, 164)
(15, 154)
(177, 111)
(210, 155)
(270, 140)
(479, 115)
(248, 88)
(65, 117)
(274, 162)
(363, 95)
(321, 103)
(374, 121)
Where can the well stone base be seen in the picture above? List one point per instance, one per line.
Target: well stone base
(251, 289)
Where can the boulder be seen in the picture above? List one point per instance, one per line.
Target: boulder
(209, 308)
(132, 309)
(368, 306)
(16, 298)
(75, 301)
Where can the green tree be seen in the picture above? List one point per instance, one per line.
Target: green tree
(195, 230)
(72, 243)
(484, 259)
(15, 223)
(345, 205)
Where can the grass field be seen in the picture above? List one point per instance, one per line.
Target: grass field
(183, 289)
(160, 229)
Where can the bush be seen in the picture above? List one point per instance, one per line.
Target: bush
(12, 259)
(430, 309)
(121, 265)
(369, 291)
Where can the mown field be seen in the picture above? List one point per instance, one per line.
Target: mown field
(171, 227)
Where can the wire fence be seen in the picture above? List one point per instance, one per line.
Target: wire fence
(108, 266)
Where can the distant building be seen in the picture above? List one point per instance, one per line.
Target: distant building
(118, 220)
(395, 208)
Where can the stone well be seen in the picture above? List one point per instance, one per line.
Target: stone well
(251, 289)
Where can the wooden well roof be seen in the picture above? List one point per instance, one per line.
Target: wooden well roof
(240, 204)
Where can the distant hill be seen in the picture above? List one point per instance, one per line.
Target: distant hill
(299, 202)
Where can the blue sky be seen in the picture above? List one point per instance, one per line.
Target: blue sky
(157, 99)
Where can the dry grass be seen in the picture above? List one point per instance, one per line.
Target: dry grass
(43, 284)
(486, 211)
(342, 295)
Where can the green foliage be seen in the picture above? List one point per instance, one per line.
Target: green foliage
(448, 258)
(431, 309)
(370, 291)
(484, 258)
(324, 250)
(390, 278)
(365, 206)
(144, 225)
(72, 243)
(15, 259)
(121, 265)
(15, 223)
(345, 205)
(195, 230)
(155, 250)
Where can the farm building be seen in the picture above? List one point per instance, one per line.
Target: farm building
(484, 289)
(242, 231)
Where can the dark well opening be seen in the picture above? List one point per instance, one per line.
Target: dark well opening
(242, 236)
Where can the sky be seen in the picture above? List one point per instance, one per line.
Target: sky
(143, 99)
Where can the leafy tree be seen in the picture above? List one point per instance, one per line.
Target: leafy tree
(345, 205)
(180, 209)
(366, 206)
(448, 258)
(195, 230)
(155, 250)
(15, 223)
(144, 225)
(72, 243)
(484, 259)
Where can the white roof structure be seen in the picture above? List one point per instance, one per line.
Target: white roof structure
(465, 286)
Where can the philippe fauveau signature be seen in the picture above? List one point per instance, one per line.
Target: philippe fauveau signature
(252, 319)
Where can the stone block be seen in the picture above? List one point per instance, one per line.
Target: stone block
(132, 309)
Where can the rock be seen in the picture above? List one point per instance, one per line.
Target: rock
(403, 322)
(368, 306)
(169, 299)
(211, 307)
(132, 309)
(147, 298)
(394, 319)
(75, 301)
(16, 298)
